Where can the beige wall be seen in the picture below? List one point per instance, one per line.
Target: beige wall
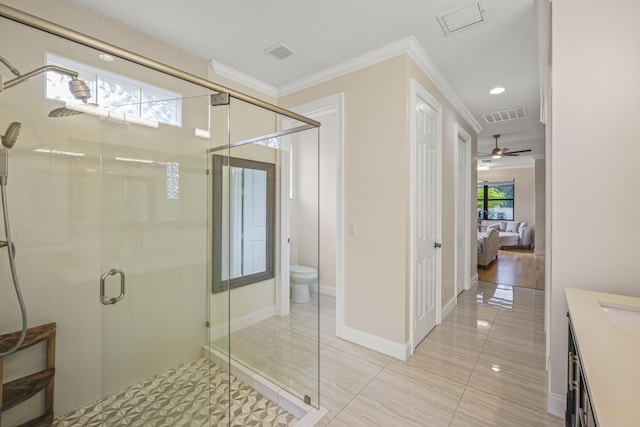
(375, 192)
(595, 84)
(376, 162)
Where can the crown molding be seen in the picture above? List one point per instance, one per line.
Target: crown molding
(408, 46)
(242, 78)
(370, 58)
(420, 57)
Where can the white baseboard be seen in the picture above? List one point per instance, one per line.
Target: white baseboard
(474, 280)
(323, 289)
(376, 343)
(556, 404)
(448, 307)
(243, 322)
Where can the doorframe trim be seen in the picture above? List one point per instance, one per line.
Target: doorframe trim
(314, 108)
(461, 135)
(418, 91)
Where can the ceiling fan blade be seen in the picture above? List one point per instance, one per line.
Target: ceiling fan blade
(505, 151)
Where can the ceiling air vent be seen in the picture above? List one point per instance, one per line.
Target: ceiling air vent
(461, 18)
(505, 115)
(280, 51)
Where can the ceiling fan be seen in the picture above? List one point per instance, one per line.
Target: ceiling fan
(498, 152)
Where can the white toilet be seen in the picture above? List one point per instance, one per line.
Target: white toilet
(300, 277)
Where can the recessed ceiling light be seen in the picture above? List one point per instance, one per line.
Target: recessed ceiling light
(106, 58)
(497, 90)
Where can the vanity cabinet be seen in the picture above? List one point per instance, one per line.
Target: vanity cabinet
(579, 412)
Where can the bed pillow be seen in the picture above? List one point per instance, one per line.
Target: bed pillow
(512, 226)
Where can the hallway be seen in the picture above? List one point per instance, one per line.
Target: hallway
(516, 267)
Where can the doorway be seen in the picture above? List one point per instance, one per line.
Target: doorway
(425, 235)
(329, 112)
(463, 208)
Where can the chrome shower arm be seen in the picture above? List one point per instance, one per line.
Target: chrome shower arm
(11, 68)
(22, 77)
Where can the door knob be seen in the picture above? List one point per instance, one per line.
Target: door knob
(437, 245)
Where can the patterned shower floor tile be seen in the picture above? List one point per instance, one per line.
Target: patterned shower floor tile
(194, 394)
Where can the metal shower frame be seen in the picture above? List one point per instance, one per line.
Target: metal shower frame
(83, 39)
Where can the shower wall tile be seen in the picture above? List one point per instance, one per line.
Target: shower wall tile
(71, 221)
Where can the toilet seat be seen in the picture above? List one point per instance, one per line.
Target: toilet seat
(302, 269)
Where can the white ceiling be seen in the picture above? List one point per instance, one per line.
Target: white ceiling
(502, 51)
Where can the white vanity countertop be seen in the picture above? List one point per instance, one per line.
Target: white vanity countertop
(610, 356)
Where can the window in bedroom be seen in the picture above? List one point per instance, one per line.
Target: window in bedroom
(496, 200)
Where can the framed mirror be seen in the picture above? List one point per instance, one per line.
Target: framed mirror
(243, 222)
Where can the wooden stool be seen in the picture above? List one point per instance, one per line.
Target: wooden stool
(21, 389)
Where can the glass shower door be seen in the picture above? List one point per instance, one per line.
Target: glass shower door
(153, 287)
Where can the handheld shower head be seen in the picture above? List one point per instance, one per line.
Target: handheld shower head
(11, 135)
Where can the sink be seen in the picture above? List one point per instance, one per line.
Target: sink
(623, 316)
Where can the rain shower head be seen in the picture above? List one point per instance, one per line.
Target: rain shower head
(72, 109)
(11, 135)
(63, 112)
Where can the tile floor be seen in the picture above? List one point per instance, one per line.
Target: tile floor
(182, 397)
(284, 349)
(483, 366)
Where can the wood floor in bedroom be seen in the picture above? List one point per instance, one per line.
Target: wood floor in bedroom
(516, 267)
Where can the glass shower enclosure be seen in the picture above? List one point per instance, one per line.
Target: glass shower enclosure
(155, 230)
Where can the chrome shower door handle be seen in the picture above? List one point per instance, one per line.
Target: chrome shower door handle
(103, 298)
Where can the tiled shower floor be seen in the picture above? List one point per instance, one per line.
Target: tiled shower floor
(182, 397)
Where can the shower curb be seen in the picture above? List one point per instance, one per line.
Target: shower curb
(307, 415)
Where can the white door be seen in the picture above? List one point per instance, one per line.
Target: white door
(426, 218)
(254, 222)
(463, 209)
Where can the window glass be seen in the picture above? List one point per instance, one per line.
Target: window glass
(496, 201)
(116, 93)
(118, 96)
(156, 107)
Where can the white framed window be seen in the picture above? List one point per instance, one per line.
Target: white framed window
(116, 93)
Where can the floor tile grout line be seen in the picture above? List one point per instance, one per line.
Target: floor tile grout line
(475, 365)
(360, 391)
